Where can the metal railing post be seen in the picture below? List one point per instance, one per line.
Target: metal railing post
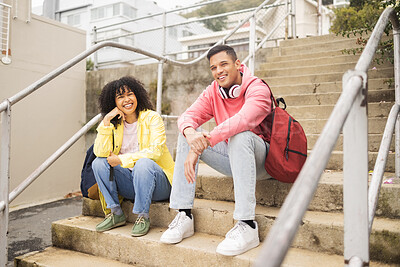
(355, 175)
(4, 181)
(252, 44)
(95, 59)
(160, 65)
(293, 16)
(396, 52)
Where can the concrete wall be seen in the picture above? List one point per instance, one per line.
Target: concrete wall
(43, 121)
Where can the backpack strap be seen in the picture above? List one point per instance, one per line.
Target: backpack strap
(275, 101)
(111, 176)
(272, 96)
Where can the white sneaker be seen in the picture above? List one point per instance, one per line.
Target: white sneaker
(181, 227)
(239, 239)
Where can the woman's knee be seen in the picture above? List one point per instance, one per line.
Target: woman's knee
(144, 164)
(99, 164)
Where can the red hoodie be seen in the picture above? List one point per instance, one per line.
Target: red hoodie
(232, 115)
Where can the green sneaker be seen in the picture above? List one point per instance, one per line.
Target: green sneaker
(141, 226)
(111, 221)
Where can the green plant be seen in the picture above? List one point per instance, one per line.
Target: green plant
(360, 18)
(165, 104)
(89, 64)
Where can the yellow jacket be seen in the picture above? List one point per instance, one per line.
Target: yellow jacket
(151, 139)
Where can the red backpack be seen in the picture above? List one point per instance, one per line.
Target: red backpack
(288, 145)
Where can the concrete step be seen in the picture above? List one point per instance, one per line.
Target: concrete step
(319, 232)
(311, 70)
(317, 69)
(274, 56)
(301, 48)
(316, 59)
(336, 161)
(376, 125)
(198, 250)
(374, 142)
(323, 111)
(331, 98)
(386, 73)
(280, 63)
(328, 38)
(328, 197)
(316, 39)
(212, 185)
(57, 257)
(325, 87)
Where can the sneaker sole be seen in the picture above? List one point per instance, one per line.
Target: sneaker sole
(175, 240)
(238, 252)
(118, 224)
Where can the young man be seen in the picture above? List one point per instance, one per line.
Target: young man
(239, 102)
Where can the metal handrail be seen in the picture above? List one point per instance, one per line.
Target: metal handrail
(47, 163)
(290, 216)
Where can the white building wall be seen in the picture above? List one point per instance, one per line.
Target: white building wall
(46, 119)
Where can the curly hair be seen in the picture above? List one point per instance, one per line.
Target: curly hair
(111, 89)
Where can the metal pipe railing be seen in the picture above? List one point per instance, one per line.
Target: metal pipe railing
(380, 163)
(47, 163)
(285, 227)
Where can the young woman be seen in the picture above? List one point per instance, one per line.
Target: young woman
(130, 139)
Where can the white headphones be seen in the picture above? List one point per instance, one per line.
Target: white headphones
(232, 92)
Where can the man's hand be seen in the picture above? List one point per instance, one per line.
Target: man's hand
(113, 160)
(190, 165)
(197, 141)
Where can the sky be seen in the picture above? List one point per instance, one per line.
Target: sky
(166, 4)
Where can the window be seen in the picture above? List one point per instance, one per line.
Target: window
(113, 35)
(74, 19)
(128, 11)
(116, 9)
(113, 10)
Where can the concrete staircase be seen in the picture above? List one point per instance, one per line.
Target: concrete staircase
(307, 73)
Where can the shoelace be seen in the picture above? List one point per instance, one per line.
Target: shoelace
(140, 220)
(176, 222)
(239, 228)
(110, 215)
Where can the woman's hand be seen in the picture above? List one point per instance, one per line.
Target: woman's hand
(113, 160)
(110, 115)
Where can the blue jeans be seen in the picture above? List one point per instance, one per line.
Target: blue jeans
(242, 158)
(146, 182)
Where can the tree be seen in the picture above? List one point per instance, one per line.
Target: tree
(216, 24)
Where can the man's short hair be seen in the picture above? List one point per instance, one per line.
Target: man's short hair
(219, 48)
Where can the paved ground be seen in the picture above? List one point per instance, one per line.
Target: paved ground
(30, 228)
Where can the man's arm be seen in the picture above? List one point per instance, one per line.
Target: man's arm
(256, 107)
